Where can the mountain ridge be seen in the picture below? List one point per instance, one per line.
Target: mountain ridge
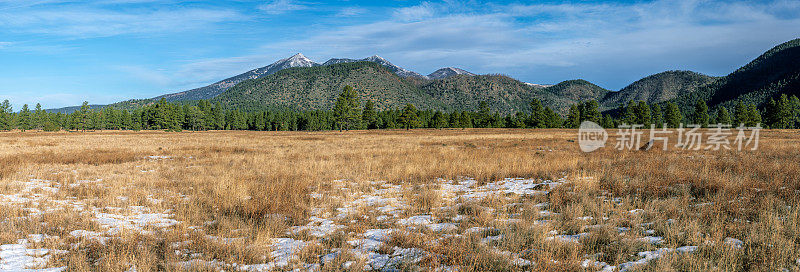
(774, 72)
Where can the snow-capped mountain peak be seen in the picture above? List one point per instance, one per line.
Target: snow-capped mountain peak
(298, 60)
(538, 85)
(400, 71)
(448, 72)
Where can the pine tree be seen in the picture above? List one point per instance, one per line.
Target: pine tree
(94, 118)
(700, 116)
(553, 119)
(439, 121)
(127, 121)
(574, 117)
(608, 122)
(794, 105)
(455, 117)
(484, 115)
(642, 112)
(5, 115)
(218, 116)
(346, 109)
(658, 116)
(517, 120)
(39, 117)
(25, 121)
(783, 113)
(409, 118)
(753, 116)
(83, 116)
(368, 116)
(673, 116)
(466, 120)
(194, 118)
(630, 113)
(771, 113)
(723, 117)
(590, 112)
(538, 118)
(741, 117)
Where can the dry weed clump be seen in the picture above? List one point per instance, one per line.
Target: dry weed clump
(332, 201)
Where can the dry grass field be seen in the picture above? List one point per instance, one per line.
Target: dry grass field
(420, 200)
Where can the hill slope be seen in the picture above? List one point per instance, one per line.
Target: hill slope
(318, 87)
(465, 92)
(448, 72)
(217, 88)
(569, 92)
(658, 88)
(775, 72)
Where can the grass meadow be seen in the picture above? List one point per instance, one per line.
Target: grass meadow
(393, 200)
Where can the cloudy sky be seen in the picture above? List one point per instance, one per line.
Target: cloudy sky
(61, 53)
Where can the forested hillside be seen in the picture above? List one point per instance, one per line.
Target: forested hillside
(658, 88)
(464, 92)
(317, 88)
(569, 92)
(775, 72)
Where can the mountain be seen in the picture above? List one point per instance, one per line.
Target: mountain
(571, 91)
(538, 85)
(658, 88)
(337, 61)
(463, 92)
(775, 72)
(210, 91)
(71, 109)
(300, 83)
(317, 88)
(400, 71)
(448, 72)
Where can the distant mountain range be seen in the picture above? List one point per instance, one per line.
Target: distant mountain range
(299, 83)
(299, 60)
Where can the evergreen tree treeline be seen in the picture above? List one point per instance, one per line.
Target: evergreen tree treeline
(350, 113)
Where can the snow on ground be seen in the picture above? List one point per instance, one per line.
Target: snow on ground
(387, 202)
(644, 258)
(19, 258)
(318, 227)
(517, 186)
(285, 250)
(37, 197)
(574, 238)
(139, 219)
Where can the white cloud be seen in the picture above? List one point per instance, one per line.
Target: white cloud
(5, 44)
(414, 13)
(92, 20)
(610, 43)
(351, 11)
(282, 6)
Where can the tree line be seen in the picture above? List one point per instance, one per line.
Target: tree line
(349, 113)
(669, 114)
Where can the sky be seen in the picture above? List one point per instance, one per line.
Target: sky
(60, 53)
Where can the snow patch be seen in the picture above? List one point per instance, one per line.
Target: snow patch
(19, 258)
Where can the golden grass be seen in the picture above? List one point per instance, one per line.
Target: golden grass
(256, 185)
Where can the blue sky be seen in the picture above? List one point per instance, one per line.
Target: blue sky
(61, 53)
